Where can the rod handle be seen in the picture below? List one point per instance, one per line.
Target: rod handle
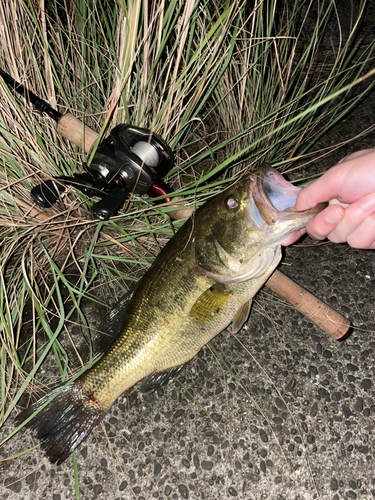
(329, 320)
(76, 132)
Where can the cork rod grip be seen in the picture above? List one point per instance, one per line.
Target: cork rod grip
(329, 320)
(76, 132)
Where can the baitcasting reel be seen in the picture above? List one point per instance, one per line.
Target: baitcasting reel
(130, 160)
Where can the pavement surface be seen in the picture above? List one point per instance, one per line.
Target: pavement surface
(314, 437)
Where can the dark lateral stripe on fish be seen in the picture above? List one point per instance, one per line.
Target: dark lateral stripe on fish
(64, 423)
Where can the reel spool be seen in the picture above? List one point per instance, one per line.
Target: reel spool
(146, 153)
(130, 160)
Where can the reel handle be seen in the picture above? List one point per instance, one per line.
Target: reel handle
(108, 206)
(47, 193)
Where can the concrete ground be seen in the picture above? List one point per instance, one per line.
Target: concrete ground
(313, 439)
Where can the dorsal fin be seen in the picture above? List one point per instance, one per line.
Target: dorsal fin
(112, 325)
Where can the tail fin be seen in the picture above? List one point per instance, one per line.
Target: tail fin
(64, 422)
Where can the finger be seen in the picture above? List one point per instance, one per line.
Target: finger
(326, 222)
(364, 235)
(356, 154)
(355, 215)
(348, 181)
(323, 189)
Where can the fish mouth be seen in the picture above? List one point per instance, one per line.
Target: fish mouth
(274, 200)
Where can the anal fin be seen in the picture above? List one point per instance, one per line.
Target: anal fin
(155, 380)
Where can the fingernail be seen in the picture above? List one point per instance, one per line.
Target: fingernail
(333, 216)
(368, 202)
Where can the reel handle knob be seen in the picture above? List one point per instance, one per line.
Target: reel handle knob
(46, 194)
(108, 206)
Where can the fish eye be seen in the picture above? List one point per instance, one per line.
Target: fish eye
(231, 203)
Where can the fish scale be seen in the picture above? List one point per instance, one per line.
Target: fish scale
(202, 281)
(147, 341)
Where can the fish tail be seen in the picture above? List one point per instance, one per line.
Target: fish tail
(64, 422)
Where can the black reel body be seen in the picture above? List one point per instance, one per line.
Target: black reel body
(130, 160)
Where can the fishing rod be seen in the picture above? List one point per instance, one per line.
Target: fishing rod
(130, 160)
(133, 159)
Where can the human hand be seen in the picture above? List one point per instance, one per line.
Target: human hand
(349, 187)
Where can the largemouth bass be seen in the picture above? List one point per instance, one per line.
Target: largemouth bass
(202, 281)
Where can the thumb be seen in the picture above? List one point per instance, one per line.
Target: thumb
(326, 188)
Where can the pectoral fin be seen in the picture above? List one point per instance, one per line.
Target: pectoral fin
(241, 316)
(212, 302)
(152, 382)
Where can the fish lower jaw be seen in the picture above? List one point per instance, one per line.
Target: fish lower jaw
(288, 228)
